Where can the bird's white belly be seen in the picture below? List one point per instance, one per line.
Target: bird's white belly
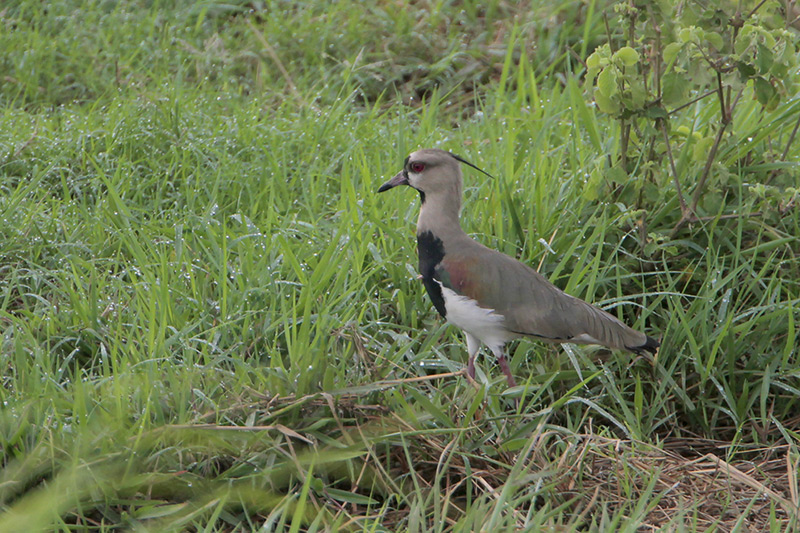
(484, 324)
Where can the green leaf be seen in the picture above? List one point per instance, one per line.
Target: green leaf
(607, 82)
(674, 88)
(779, 71)
(743, 42)
(148, 512)
(769, 38)
(701, 148)
(715, 40)
(747, 30)
(655, 111)
(764, 90)
(638, 96)
(764, 59)
(617, 175)
(350, 497)
(593, 61)
(606, 104)
(700, 73)
(591, 191)
(627, 55)
(746, 70)
(671, 52)
(711, 202)
(431, 409)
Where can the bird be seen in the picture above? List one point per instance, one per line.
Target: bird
(492, 297)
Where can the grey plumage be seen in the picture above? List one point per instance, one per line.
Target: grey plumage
(491, 296)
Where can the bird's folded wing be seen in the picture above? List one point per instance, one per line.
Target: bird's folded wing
(531, 304)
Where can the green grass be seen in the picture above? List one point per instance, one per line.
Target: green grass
(211, 322)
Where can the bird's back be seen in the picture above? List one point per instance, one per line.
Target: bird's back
(529, 303)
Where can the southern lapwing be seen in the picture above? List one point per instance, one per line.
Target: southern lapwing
(493, 297)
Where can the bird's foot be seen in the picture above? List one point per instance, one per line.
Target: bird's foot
(507, 371)
(470, 373)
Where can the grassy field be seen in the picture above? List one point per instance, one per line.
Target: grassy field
(211, 322)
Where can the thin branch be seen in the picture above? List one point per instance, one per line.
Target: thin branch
(726, 119)
(723, 108)
(684, 106)
(608, 33)
(577, 57)
(707, 169)
(632, 25)
(684, 208)
(735, 101)
(626, 132)
(791, 139)
(753, 12)
(657, 55)
(727, 114)
(729, 216)
(786, 150)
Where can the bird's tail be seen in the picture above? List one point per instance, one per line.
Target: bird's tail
(651, 345)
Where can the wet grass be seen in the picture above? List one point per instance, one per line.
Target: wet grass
(212, 322)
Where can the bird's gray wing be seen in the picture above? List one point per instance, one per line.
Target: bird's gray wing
(531, 305)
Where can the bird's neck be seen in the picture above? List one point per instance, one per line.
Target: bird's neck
(440, 215)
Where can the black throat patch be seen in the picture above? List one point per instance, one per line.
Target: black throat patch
(431, 252)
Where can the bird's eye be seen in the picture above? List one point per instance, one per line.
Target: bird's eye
(417, 167)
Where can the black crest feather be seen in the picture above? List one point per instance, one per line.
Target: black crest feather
(462, 160)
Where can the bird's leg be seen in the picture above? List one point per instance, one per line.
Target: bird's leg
(501, 360)
(473, 345)
(507, 371)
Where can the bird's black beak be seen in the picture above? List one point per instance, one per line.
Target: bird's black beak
(401, 178)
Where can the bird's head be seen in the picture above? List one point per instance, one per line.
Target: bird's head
(431, 172)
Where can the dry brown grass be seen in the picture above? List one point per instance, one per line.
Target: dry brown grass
(695, 484)
(706, 490)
